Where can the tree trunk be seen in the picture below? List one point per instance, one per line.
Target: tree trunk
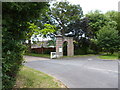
(63, 32)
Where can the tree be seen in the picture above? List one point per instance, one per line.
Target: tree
(114, 16)
(97, 20)
(64, 13)
(108, 39)
(39, 22)
(45, 32)
(48, 29)
(82, 34)
(16, 16)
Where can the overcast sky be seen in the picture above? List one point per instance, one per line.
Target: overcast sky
(103, 5)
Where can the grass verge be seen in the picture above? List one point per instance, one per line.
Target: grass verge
(80, 55)
(109, 57)
(30, 78)
(38, 55)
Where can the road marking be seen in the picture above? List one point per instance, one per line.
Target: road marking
(90, 59)
(103, 70)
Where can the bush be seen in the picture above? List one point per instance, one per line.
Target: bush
(108, 39)
(15, 30)
(82, 51)
(119, 55)
(12, 60)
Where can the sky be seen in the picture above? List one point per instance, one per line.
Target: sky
(102, 5)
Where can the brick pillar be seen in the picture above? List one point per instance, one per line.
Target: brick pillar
(70, 47)
(59, 46)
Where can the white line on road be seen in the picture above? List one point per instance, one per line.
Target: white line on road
(104, 70)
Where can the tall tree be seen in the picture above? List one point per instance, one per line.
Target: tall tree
(64, 13)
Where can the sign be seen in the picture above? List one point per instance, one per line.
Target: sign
(60, 49)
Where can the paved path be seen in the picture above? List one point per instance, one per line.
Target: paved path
(82, 72)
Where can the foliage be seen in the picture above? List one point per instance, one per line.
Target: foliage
(52, 42)
(109, 56)
(114, 16)
(118, 23)
(16, 16)
(48, 29)
(64, 13)
(108, 39)
(96, 21)
(33, 28)
(118, 54)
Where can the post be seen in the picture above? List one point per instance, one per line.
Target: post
(70, 47)
(59, 46)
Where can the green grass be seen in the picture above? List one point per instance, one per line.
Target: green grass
(38, 55)
(109, 57)
(80, 55)
(30, 78)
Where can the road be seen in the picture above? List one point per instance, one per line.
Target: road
(79, 72)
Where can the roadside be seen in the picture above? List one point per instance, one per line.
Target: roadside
(34, 58)
(38, 55)
(109, 56)
(31, 78)
(80, 72)
(100, 56)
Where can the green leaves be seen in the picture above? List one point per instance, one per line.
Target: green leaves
(48, 29)
(33, 28)
(107, 38)
(64, 13)
(97, 20)
(15, 17)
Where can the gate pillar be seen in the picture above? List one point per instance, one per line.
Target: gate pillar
(59, 46)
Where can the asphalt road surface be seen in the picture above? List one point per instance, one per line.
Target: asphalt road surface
(79, 72)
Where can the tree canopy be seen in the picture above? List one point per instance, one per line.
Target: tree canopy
(108, 39)
(96, 21)
(64, 13)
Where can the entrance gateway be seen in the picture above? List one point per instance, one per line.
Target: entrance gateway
(59, 46)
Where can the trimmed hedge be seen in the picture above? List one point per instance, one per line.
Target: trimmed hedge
(15, 18)
(12, 60)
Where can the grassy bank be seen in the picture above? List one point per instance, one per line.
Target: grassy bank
(30, 78)
(48, 55)
(38, 55)
(109, 57)
(103, 56)
(81, 55)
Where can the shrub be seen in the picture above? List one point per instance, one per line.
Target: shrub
(15, 30)
(12, 60)
(119, 55)
(108, 39)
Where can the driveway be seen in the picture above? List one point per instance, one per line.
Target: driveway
(79, 72)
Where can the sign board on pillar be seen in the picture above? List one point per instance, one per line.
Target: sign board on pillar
(60, 49)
